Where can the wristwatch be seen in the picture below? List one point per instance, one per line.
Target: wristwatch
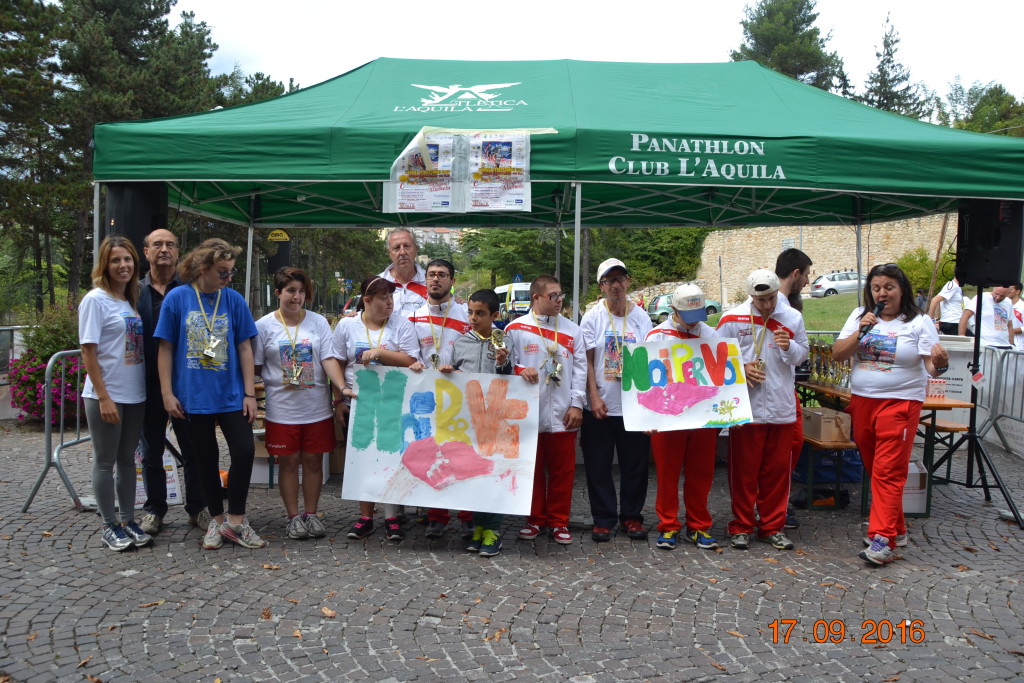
(942, 370)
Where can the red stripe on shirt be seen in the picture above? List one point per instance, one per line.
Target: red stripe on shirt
(672, 333)
(414, 287)
(452, 324)
(773, 325)
(562, 339)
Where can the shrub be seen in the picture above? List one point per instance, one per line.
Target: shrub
(57, 330)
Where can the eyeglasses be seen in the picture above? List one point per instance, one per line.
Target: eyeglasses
(617, 280)
(227, 274)
(555, 297)
(438, 276)
(161, 245)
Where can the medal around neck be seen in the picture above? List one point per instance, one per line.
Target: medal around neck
(435, 361)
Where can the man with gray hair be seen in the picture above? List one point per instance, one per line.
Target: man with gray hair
(405, 272)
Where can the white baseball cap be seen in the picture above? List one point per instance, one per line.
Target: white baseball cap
(688, 301)
(607, 265)
(762, 281)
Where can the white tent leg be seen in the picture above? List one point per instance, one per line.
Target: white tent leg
(95, 223)
(577, 228)
(860, 269)
(248, 263)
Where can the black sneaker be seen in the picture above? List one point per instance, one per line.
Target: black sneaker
(791, 521)
(393, 530)
(361, 529)
(467, 530)
(435, 530)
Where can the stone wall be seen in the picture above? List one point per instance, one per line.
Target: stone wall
(830, 248)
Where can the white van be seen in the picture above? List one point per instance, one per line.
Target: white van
(514, 298)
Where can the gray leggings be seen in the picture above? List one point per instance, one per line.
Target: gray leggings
(114, 445)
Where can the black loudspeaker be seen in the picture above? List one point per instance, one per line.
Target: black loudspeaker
(989, 242)
(135, 210)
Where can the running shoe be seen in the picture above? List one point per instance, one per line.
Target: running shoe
(242, 534)
(701, 539)
(115, 538)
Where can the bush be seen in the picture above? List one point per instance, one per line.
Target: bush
(918, 266)
(57, 330)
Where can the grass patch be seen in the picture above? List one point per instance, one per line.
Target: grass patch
(827, 313)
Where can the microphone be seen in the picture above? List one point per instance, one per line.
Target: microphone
(879, 306)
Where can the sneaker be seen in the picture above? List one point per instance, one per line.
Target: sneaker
(434, 530)
(791, 521)
(200, 520)
(151, 523)
(529, 532)
(740, 541)
(297, 528)
(701, 539)
(467, 530)
(778, 540)
(491, 545)
(667, 540)
(635, 529)
(561, 535)
(136, 534)
(242, 534)
(115, 538)
(476, 540)
(879, 552)
(393, 530)
(901, 541)
(213, 538)
(361, 529)
(314, 527)
(599, 534)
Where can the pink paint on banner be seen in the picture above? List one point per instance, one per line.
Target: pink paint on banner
(676, 397)
(442, 466)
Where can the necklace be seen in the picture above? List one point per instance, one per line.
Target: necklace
(435, 358)
(296, 365)
(212, 339)
(551, 366)
(362, 317)
(618, 339)
(758, 339)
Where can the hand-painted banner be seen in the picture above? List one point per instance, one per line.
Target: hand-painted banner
(461, 441)
(683, 384)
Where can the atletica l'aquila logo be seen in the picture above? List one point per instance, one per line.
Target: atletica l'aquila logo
(458, 97)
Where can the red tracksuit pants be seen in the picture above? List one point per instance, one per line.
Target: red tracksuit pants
(884, 429)
(553, 477)
(760, 467)
(692, 452)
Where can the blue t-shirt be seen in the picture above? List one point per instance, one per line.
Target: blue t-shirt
(202, 383)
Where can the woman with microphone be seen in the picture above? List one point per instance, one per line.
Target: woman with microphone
(894, 348)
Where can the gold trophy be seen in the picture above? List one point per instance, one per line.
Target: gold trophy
(497, 338)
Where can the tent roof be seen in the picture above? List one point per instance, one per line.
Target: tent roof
(654, 144)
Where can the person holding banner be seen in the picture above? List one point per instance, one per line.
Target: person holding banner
(690, 451)
(615, 321)
(548, 348)
(894, 348)
(772, 342)
(295, 355)
(439, 323)
(377, 335)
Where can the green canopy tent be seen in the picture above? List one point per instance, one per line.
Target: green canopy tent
(636, 145)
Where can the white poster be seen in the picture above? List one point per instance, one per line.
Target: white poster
(171, 470)
(422, 176)
(462, 441)
(499, 163)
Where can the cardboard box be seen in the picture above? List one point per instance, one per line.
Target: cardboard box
(825, 424)
(915, 491)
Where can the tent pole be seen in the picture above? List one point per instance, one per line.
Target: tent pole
(95, 222)
(577, 230)
(248, 262)
(859, 213)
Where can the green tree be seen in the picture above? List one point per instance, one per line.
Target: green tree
(988, 108)
(889, 87)
(780, 34)
(919, 265)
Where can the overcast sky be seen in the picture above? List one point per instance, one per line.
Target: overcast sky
(314, 40)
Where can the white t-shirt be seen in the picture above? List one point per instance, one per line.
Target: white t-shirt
(410, 296)
(1018, 311)
(307, 399)
(995, 320)
(952, 305)
(116, 330)
(887, 362)
(603, 332)
(351, 338)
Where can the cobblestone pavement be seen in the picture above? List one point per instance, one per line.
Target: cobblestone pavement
(335, 609)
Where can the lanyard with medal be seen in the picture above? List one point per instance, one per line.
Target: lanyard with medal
(212, 340)
(379, 336)
(551, 366)
(617, 339)
(758, 340)
(296, 365)
(435, 358)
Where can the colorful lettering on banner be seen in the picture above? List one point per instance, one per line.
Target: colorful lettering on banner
(459, 440)
(673, 384)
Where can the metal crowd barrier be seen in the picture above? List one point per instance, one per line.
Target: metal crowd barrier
(1003, 393)
(52, 453)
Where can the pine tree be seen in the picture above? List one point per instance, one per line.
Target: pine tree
(889, 88)
(780, 34)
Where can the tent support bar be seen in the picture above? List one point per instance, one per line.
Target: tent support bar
(858, 210)
(95, 223)
(248, 248)
(577, 231)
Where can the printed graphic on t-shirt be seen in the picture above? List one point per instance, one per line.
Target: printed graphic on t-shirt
(199, 340)
(999, 318)
(877, 352)
(365, 346)
(132, 339)
(612, 366)
(297, 368)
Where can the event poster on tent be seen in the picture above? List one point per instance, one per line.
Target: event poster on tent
(498, 162)
(462, 441)
(683, 384)
(424, 175)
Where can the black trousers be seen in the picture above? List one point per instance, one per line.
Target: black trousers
(599, 440)
(200, 433)
(154, 429)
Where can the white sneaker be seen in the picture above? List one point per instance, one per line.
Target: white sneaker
(901, 541)
(297, 528)
(213, 539)
(151, 523)
(879, 553)
(314, 526)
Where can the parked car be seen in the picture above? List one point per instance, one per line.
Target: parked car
(660, 307)
(836, 283)
(350, 305)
